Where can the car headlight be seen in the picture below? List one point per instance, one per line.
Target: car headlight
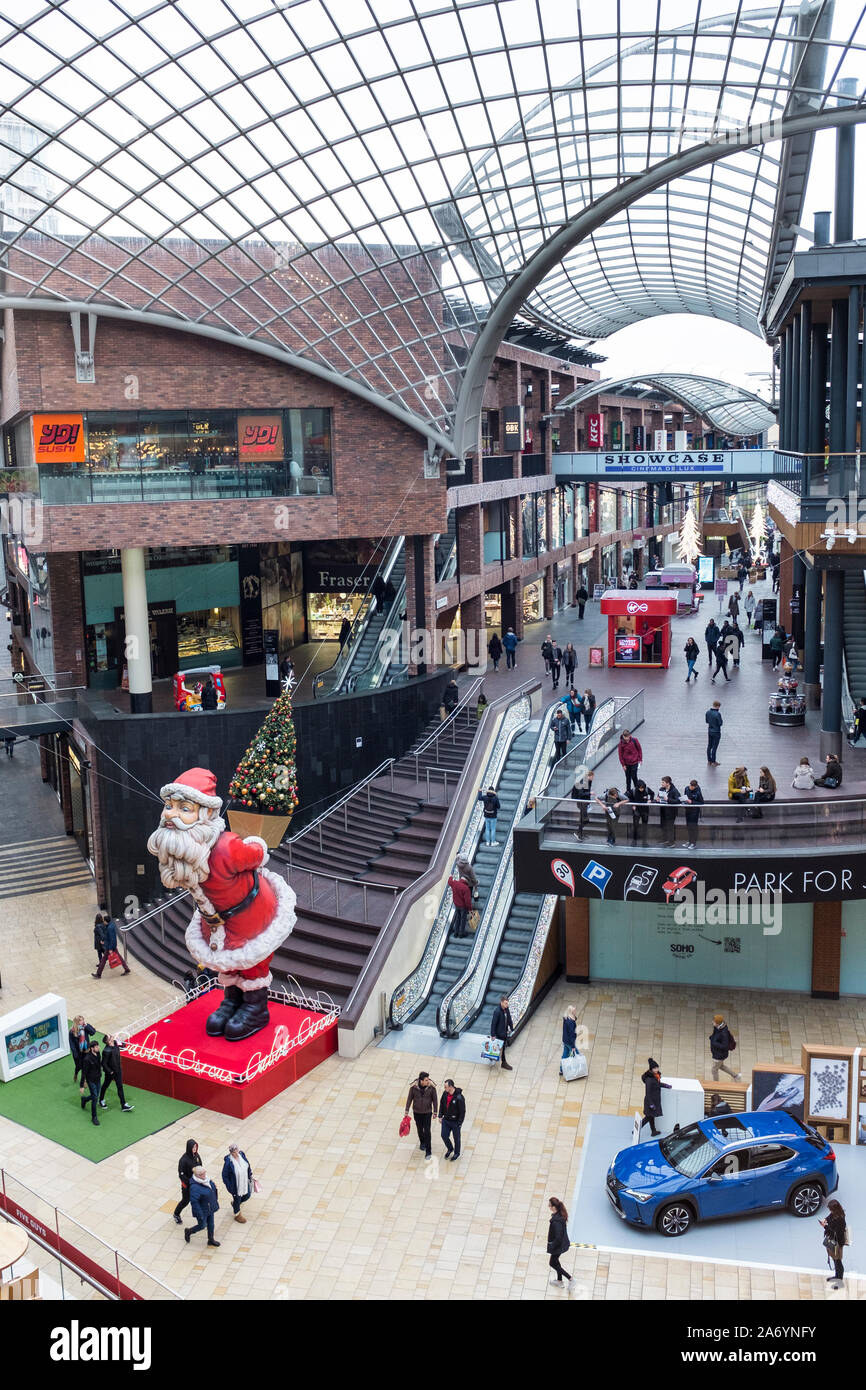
(638, 1196)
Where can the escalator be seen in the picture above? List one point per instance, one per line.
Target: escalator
(368, 625)
(854, 632)
(455, 956)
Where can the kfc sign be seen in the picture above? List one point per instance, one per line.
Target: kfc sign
(594, 431)
(58, 438)
(633, 607)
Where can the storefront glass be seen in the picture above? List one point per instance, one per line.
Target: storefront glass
(210, 637)
(607, 510)
(567, 513)
(608, 566)
(541, 521)
(533, 601)
(493, 612)
(581, 510)
(325, 614)
(527, 511)
(556, 518)
(496, 532)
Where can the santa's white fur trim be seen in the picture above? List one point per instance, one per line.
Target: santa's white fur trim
(258, 947)
(241, 982)
(257, 840)
(191, 794)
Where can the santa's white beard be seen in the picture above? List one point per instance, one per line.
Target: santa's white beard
(184, 851)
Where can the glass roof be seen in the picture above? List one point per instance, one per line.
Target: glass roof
(323, 179)
(731, 409)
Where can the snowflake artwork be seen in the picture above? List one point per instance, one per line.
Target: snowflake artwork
(828, 1088)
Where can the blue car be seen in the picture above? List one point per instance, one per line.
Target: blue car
(727, 1165)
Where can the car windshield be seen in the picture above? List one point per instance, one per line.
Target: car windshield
(689, 1150)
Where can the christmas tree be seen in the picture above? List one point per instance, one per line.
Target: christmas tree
(266, 777)
(689, 547)
(758, 528)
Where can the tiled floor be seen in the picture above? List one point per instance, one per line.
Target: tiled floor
(348, 1209)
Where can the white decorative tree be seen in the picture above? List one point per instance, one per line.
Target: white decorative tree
(758, 528)
(689, 547)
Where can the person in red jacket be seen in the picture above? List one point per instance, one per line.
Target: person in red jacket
(461, 896)
(630, 757)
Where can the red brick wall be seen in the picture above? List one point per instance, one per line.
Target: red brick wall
(67, 617)
(378, 462)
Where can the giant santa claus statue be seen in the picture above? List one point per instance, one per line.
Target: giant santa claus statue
(243, 912)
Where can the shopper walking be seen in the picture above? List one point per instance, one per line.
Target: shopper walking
(692, 651)
(722, 1043)
(422, 1102)
(733, 641)
(641, 796)
(79, 1041)
(859, 730)
(569, 1034)
(721, 661)
(389, 594)
(546, 651)
(205, 1204)
(734, 607)
(569, 663)
(491, 810)
(581, 792)
(345, 632)
(509, 642)
(500, 1027)
(450, 697)
(630, 756)
(555, 663)
(582, 596)
(669, 798)
(378, 591)
(112, 1070)
(237, 1176)
(836, 1237)
(461, 896)
(588, 709)
(694, 800)
(494, 650)
(452, 1113)
(188, 1160)
(711, 636)
(558, 1242)
(561, 733)
(750, 605)
(466, 871)
(574, 707)
(91, 1074)
(777, 647)
(109, 945)
(99, 924)
(652, 1095)
(742, 575)
(714, 722)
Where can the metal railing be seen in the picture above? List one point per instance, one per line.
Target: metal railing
(104, 1267)
(461, 1004)
(412, 992)
(610, 718)
(463, 715)
(343, 803)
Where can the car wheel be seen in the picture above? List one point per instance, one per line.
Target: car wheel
(674, 1220)
(806, 1199)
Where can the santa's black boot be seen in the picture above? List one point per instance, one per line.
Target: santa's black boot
(250, 1017)
(232, 1001)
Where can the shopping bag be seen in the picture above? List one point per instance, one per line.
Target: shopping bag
(473, 919)
(491, 1050)
(443, 713)
(257, 1187)
(114, 959)
(405, 1126)
(574, 1067)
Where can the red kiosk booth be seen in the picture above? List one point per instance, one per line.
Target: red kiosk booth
(639, 626)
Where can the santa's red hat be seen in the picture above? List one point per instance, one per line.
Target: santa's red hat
(198, 784)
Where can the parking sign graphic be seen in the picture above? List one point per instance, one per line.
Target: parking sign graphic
(597, 875)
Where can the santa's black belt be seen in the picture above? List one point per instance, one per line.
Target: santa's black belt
(219, 919)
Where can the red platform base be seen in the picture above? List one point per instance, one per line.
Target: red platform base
(174, 1056)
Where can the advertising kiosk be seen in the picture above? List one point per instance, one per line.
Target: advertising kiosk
(639, 626)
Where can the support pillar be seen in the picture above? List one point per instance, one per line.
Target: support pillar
(817, 405)
(798, 586)
(137, 624)
(838, 385)
(420, 613)
(547, 576)
(812, 639)
(831, 723)
(576, 912)
(801, 442)
(826, 949)
(474, 631)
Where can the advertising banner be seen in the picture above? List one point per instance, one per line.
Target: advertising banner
(594, 431)
(659, 877)
(58, 438)
(616, 434)
(260, 437)
(512, 428)
(638, 437)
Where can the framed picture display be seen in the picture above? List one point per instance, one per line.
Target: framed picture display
(832, 1090)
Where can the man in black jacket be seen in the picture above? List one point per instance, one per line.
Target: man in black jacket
(452, 1113)
(721, 1044)
(113, 1070)
(91, 1074)
(501, 1026)
(712, 633)
(99, 925)
(189, 1160)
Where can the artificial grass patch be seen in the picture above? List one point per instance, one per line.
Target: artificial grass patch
(47, 1102)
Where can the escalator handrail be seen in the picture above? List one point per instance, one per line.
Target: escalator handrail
(419, 981)
(349, 648)
(497, 909)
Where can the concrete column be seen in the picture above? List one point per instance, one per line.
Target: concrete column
(817, 401)
(474, 631)
(420, 611)
(831, 723)
(548, 593)
(826, 949)
(576, 939)
(794, 411)
(801, 442)
(838, 380)
(137, 654)
(784, 387)
(812, 638)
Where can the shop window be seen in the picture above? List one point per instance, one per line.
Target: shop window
(308, 449)
(567, 512)
(112, 443)
(556, 519)
(533, 601)
(527, 510)
(541, 521)
(581, 510)
(607, 508)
